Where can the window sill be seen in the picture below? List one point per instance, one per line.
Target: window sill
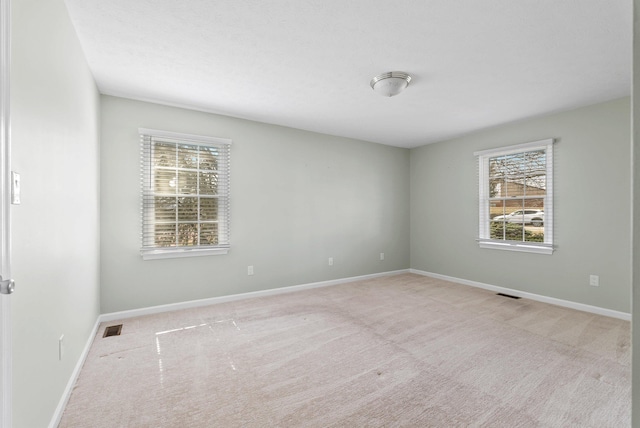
(517, 246)
(175, 253)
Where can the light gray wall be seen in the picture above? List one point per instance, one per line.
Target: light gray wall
(591, 201)
(297, 198)
(55, 132)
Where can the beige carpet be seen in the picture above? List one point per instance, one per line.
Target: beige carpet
(397, 351)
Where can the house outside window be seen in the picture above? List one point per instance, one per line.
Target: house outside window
(516, 197)
(185, 194)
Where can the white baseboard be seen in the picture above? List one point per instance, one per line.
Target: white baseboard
(57, 415)
(545, 299)
(214, 300)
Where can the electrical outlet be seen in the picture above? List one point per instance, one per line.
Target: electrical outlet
(381, 256)
(15, 188)
(61, 347)
(249, 270)
(594, 280)
(330, 261)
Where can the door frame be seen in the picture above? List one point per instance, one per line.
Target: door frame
(5, 224)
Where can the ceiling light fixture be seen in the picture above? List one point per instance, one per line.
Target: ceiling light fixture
(391, 83)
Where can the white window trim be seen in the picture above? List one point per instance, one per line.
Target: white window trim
(483, 169)
(175, 253)
(183, 137)
(155, 253)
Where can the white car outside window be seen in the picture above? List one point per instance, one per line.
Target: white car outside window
(534, 217)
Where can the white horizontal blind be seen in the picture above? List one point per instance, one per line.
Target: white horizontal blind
(185, 192)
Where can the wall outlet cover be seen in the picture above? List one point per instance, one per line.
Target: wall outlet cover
(15, 188)
(61, 347)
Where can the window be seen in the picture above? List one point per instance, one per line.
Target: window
(516, 197)
(185, 194)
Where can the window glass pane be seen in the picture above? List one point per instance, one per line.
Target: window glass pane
(535, 173)
(516, 187)
(506, 231)
(536, 184)
(209, 158)
(187, 209)
(496, 187)
(187, 234)
(512, 205)
(498, 229)
(208, 209)
(534, 234)
(209, 234)
(536, 204)
(165, 208)
(496, 208)
(165, 181)
(164, 154)
(187, 156)
(495, 167)
(165, 235)
(208, 183)
(187, 182)
(534, 216)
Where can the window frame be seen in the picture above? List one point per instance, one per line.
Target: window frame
(484, 236)
(147, 137)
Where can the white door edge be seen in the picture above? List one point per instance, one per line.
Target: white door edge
(5, 230)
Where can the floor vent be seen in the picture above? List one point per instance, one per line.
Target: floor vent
(508, 295)
(113, 330)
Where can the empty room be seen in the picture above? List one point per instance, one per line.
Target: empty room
(318, 213)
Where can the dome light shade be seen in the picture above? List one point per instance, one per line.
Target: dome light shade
(391, 83)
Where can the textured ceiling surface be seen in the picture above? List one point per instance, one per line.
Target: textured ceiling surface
(307, 64)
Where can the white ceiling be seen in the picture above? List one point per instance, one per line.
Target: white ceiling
(307, 64)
